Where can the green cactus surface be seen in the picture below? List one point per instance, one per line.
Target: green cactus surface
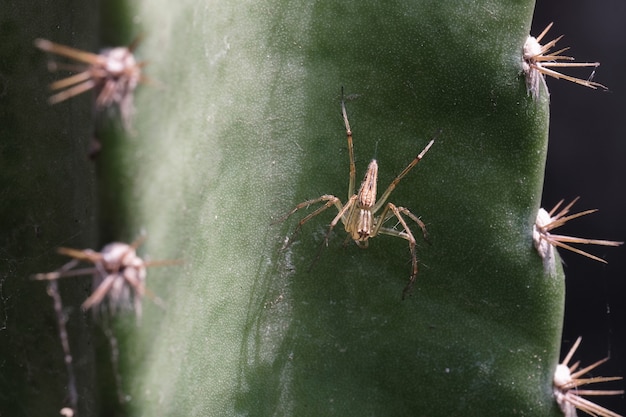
(239, 122)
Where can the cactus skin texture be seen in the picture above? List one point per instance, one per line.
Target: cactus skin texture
(242, 123)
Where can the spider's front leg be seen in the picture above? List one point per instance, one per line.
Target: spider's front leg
(330, 201)
(348, 208)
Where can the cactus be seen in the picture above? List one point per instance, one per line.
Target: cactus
(241, 123)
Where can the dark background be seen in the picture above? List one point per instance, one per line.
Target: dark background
(586, 158)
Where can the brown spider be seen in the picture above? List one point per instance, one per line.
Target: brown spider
(566, 381)
(119, 275)
(358, 215)
(538, 61)
(114, 74)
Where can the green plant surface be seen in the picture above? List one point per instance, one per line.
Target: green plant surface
(242, 122)
(248, 124)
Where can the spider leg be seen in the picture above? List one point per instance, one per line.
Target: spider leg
(405, 211)
(394, 183)
(404, 234)
(330, 201)
(350, 147)
(417, 220)
(340, 216)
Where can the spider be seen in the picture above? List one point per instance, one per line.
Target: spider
(538, 61)
(566, 381)
(545, 241)
(359, 213)
(114, 73)
(118, 275)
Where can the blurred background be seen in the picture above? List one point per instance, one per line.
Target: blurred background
(587, 158)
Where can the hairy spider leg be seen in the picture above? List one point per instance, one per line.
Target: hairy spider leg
(363, 206)
(330, 201)
(395, 182)
(404, 234)
(350, 148)
(368, 187)
(350, 208)
(406, 212)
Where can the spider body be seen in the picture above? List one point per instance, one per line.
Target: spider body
(359, 215)
(361, 220)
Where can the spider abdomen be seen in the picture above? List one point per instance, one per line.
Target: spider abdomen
(367, 192)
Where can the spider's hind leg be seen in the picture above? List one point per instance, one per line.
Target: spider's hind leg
(404, 234)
